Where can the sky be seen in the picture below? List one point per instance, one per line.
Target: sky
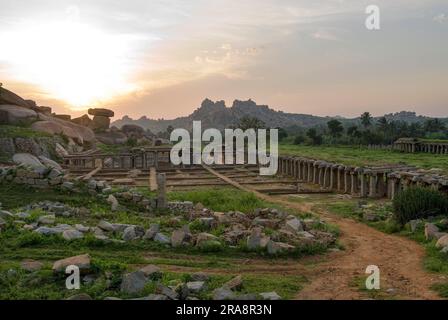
(160, 59)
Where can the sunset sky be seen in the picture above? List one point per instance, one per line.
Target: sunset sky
(162, 58)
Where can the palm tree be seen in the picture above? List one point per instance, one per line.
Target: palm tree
(366, 119)
(248, 122)
(335, 127)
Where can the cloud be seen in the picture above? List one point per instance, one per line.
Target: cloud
(441, 18)
(325, 35)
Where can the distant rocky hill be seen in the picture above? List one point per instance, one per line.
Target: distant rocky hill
(217, 115)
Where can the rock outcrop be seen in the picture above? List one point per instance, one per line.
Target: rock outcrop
(101, 118)
(15, 115)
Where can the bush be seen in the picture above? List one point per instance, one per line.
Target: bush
(418, 202)
(299, 139)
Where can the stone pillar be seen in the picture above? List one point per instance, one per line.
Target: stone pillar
(310, 171)
(363, 189)
(315, 173)
(340, 178)
(327, 174)
(381, 185)
(347, 180)
(354, 183)
(332, 177)
(321, 175)
(161, 190)
(152, 179)
(373, 182)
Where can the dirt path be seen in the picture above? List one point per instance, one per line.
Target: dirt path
(400, 260)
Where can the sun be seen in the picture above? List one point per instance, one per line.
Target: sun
(71, 61)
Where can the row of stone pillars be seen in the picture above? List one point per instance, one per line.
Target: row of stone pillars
(362, 182)
(426, 147)
(433, 148)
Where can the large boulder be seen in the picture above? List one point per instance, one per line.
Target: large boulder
(50, 163)
(85, 133)
(100, 123)
(83, 121)
(133, 130)
(9, 97)
(53, 127)
(112, 137)
(15, 115)
(27, 160)
(442, 242)
(101, 112)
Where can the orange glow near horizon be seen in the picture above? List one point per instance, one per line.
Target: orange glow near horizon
(72, 62)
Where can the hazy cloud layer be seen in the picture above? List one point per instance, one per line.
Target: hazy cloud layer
(161, 58)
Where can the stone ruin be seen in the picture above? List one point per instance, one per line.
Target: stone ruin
(412, 145)
(372, 182)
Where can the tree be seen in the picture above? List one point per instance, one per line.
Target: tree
(434, 125)
(169, 129)
(366, 119)
(315, 138)
(383, 124)
(299, 139)
(353, 132)
(335, 127)
(282, 134)
(247, 122)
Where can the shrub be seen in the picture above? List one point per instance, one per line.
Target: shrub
(418, 202)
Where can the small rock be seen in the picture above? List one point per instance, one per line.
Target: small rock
(234, 284)
(80, 296)
(6, 214)
(223, 294)
(413, 224)
(47, 220)
(294, 225)
(270, 295)
(151, 232)
(113, 202)
(430, 231)
(31, 265)
(106, 226)
(278, 247)
(196, 286)
(170, 293)
(82, 261)
(200, 276)
(151, 272)
(442, 242)
(72, 234)
(161, 238)
(178, 238)
(133, 282)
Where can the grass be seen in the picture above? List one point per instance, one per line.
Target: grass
(7, 131)
(361, 156)
(221, 199)
(18, 244)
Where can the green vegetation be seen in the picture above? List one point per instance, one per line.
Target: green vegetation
(361, 156)
(419, 203)
(7, 131)
(368, 130)
(221, 199)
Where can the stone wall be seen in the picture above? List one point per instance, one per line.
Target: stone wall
(372, 182)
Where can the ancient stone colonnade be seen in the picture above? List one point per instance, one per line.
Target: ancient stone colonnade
(369, 182)
(412, 145)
